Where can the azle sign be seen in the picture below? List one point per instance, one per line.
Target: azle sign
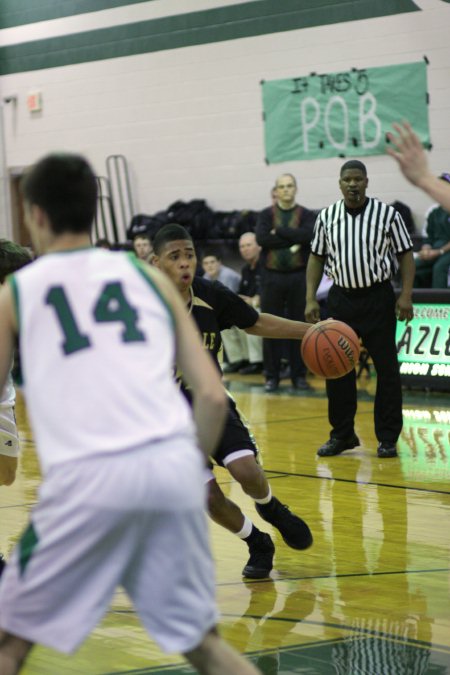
(423, 345)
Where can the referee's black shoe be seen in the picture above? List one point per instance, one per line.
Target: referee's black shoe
(2, 564)
(386, 450)
(260, 563)
(271, 385)
(300, 384)
(334, 446)
(293, 529)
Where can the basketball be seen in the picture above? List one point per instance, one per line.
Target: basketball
(330, 349)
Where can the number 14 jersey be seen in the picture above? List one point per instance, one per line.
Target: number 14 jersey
(97, 349)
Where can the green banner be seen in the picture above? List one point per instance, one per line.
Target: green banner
(344, 114)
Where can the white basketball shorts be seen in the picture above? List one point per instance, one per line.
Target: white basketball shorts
(136, 519)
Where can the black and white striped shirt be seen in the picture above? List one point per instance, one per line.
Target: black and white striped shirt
(360, 248)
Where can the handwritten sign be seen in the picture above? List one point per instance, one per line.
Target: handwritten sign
(344, 114)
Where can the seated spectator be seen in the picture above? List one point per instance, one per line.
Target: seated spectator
(215, 270)
(406, 214)
(232, 343)
(433, 259)
(249, 290)
(143, 248)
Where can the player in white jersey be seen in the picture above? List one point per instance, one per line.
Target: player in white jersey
(113, 435)
(12, 258)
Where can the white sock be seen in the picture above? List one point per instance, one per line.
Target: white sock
(246, 529)
(265, 500)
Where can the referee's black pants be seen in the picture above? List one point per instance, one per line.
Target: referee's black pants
(283, 294)
(371, 313)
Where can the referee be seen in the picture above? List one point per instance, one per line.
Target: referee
(357, 242)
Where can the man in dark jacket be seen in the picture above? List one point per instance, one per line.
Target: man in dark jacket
(284, 231)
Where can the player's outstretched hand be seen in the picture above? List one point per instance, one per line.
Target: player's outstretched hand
(407, 149)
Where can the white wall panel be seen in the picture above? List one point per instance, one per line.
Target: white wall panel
(189, 120)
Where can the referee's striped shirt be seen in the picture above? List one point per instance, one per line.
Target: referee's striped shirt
(360, 245)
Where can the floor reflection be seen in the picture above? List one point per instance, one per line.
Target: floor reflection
(424, 444)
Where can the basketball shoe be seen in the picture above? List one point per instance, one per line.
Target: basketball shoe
(386, 449)
(260, 563)
(334, 446)
(293, 529)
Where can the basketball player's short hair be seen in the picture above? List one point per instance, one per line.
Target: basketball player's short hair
(353, 164)
(65, 187)
(167, 233)
(12, 258)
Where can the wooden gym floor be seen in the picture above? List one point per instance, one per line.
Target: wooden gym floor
(371, 597)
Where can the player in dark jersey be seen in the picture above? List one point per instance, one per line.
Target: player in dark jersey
(215, 308)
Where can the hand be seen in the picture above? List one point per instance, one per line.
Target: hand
(409, 153)
(404, 308)
(312, 311)
(423, 252)
(429, 254)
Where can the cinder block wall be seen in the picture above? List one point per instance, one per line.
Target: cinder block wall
(187, 113)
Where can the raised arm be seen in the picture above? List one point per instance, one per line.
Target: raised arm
(408, 151)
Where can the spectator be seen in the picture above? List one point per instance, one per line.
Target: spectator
(143, 248)
(215, 270)
(406, 214)
(284, 231)
(249, 290)
(433, 259)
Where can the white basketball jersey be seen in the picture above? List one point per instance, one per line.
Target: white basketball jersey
(97, 354)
